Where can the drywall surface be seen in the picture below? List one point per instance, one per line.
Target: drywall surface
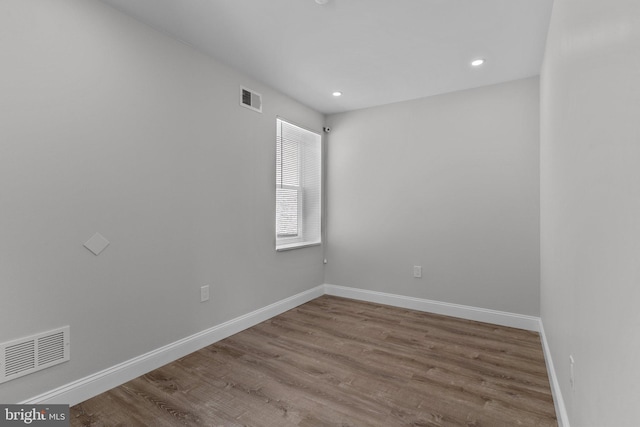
(449, 183)
(109, 126)
(590, 207)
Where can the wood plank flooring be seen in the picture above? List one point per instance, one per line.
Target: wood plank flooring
(339, 362)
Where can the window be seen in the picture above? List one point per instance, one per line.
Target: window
(298, 186)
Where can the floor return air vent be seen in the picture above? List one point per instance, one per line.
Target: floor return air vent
(31, 354)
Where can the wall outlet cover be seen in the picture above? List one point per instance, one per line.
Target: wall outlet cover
(417, 271)
(204, 293)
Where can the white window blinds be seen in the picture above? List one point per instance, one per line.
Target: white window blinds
(298, 186)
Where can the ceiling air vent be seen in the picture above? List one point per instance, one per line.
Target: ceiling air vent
(250, 99)
(31, 354)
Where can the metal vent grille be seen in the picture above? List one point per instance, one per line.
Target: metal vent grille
(51, 348)
(31, 354)
(250, 99)
(20, 357)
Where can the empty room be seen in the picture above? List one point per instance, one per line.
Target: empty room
(319, 212)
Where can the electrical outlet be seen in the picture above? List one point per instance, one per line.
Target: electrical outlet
(204, 293)
(417, 271)
(572, 378)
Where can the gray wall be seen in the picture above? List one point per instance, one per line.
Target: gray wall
(111, 127)
(590, 206)
(450, 183)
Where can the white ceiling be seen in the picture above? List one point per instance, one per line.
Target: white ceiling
(374, 51)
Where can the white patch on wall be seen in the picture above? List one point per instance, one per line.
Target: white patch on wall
(250, 99)
(97, 244)
(31, 354)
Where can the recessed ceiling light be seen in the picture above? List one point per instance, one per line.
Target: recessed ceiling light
(322, 1)
(477, 62)
(337, 93)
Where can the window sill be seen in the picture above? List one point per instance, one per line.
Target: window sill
(291, 246)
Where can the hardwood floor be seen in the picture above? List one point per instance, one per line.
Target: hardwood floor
(339, 362)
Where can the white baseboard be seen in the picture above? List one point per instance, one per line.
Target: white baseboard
(92, 385)
(502, 318)
(558, 401)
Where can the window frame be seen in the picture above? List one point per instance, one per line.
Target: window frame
(302, 238)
